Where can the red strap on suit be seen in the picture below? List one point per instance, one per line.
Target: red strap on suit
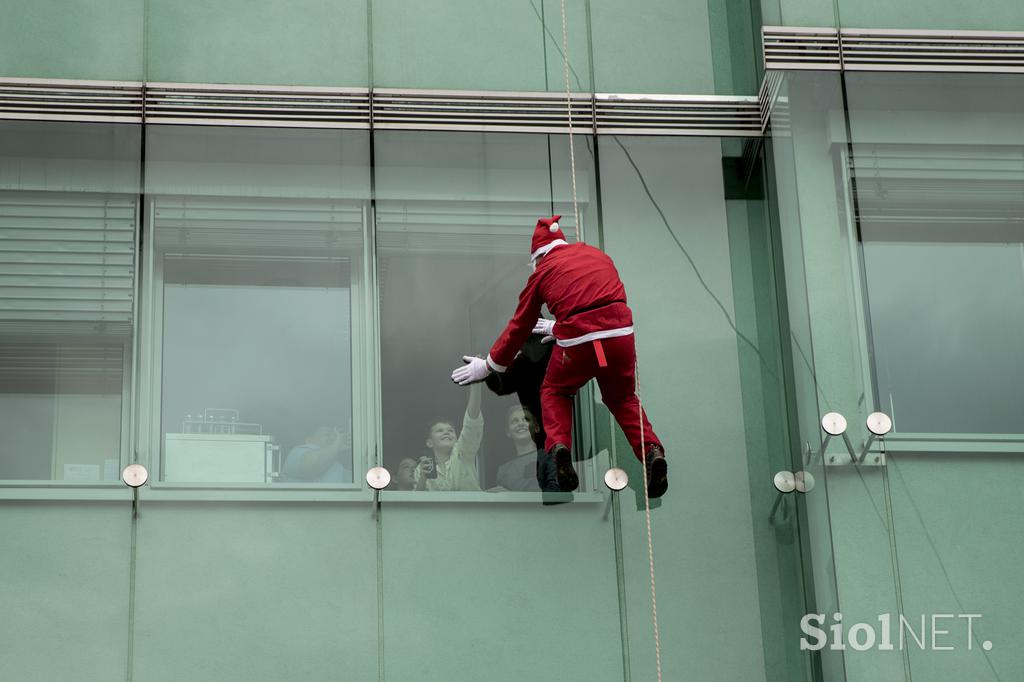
(599, 351)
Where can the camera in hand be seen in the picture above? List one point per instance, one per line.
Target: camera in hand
(428, 465)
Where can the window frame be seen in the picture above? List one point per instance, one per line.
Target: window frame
(364, 410)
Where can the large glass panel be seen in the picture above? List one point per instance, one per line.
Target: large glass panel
(256, 545)
(677, 53)
(64, 583)
(482, 562)
(469, 45)
(938, 186)
(849, 513)
(995, 15)
(689, 46)
(455, 215)
(68, 214)
(309, 42)
(51, 40)
(258, 300)
(698, 273)
(68, 217)
(259, 591)
(939, 207)
(803, 13)
(805, 405)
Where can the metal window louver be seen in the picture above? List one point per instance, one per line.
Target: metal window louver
(390, 109)
(793, 47)
(858, 49)
(240, 105)
(677, 115)
(70, 100)
(768, 95)
(978, 51)
(539, 112)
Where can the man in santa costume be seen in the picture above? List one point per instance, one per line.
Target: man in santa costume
(593, 330)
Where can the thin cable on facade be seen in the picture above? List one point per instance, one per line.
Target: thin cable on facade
(636, 369)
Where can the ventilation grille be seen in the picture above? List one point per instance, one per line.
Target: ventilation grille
(480, 111)
(311, 107)
(980, 51)
(787, 47)
(857, 49)
(55, 100)
(678, 115)
(257, 106)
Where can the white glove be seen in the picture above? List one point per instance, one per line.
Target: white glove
(474, 370)
(544, 326)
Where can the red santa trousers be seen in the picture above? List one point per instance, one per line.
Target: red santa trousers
(570, 368)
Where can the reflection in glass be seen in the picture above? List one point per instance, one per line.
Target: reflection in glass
(532, 469)
(699, 275)
(257, 264)
(938, 187)
(68, 211)
(454, 215)
(940, 194)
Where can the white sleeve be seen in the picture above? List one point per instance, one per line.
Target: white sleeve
(472, 435)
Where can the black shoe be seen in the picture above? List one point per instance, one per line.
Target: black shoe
(564, 473)
(657, 473)
(546, 479)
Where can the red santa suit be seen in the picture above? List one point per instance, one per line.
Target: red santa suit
(593, 331)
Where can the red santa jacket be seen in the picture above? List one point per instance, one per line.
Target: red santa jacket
(581, 288)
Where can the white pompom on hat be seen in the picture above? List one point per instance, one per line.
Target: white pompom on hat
(546, 236)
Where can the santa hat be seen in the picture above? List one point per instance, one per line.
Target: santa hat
(546, 236)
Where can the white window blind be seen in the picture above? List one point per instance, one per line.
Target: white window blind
(256, 224)
(66, 264)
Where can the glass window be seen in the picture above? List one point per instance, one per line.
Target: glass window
(258, 304)
(68, 213)
(939, 194)
(455, 214)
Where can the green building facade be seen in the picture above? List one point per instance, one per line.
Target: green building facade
(233, 233)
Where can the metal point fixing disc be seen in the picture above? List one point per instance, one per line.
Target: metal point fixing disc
(834, 424)
(616, 479)
(804, 481)
(134, 475)
(784, 482)
(879, 423)
(378, 478)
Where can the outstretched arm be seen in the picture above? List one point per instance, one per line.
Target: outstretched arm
(519, 327)
(472, 426)
(473, 406)
(511, 340)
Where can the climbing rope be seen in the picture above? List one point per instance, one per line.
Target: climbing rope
(647, 515)
(568, 108)
(636, 368)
